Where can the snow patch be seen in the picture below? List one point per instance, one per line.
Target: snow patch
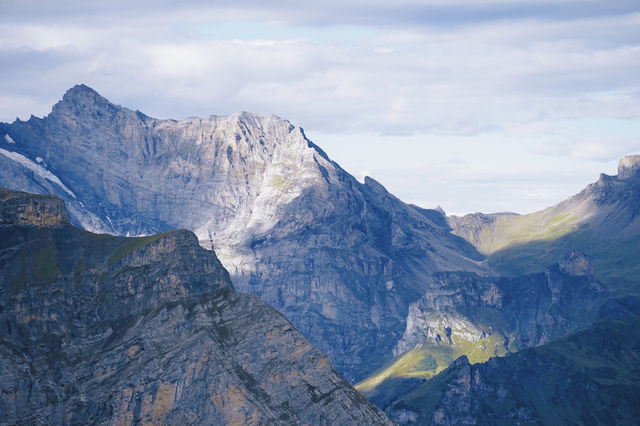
(36, 168)
(8, 138)
(38, 159)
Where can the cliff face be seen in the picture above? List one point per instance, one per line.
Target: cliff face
(103, 329)
(342, 259)
(31, 210)
(590, 377)
(463, 314)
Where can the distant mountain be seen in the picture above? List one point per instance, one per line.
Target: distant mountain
(97, 329)
(590, 377)
(463, 314)
(602, 221)
(342, 260)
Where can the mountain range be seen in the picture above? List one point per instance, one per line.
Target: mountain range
(392, 293)
(343, 260)
(602, 221)
(590, 377)
(463, 314)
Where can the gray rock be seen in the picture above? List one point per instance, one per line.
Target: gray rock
(590, 377)
(527, 311)
(628, 166)
(97, 329)
(341, 259)
(20, 208)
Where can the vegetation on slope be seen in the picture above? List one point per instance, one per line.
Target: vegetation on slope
(590, 377)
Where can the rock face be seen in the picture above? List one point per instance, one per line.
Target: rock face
(590, 377)
(628, 166)
(528, 310)
(463, 314)
(602, 221)
(31, 210)
(109, 330)
(341, 259)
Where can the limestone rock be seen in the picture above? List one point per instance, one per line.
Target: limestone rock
(341, 259)
(18, 208)
(526, 311)
(97, 329)
(628, 166)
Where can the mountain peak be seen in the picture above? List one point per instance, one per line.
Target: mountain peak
(81, 91)
(81, 98)
(628, 166)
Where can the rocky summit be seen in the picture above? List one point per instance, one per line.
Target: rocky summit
(98, 329)
(343, 260)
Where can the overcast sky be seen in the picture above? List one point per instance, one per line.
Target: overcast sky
(475, 105)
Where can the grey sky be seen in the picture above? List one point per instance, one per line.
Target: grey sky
(473, 105)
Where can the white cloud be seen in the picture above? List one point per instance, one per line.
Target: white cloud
(434, 71)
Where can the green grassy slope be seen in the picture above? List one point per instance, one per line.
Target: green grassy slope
(602, 221)
(590, 377)
(616, 261)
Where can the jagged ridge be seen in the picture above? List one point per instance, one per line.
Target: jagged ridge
(342, 259)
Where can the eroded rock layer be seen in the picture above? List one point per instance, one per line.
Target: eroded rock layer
(341, 259)
(96, 329)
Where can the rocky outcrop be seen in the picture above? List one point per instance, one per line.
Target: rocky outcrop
(590, 377)
(576, 263)
(341, 259)
(20, 208)
(628, 166)
(96, 329)
(526, 311)
(465, 315)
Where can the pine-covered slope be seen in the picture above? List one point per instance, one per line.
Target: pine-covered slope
(97, 329)
(342, 260)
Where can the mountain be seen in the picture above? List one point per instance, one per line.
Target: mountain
(602, 221)
(343, 260)
(98, 329)
(463, 314)
(590, 377)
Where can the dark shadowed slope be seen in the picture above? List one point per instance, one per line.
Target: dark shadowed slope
(591, 377)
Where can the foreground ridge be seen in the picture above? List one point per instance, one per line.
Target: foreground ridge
(103, 329)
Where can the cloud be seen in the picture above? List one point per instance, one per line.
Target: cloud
(510, 74)
(391, 79)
